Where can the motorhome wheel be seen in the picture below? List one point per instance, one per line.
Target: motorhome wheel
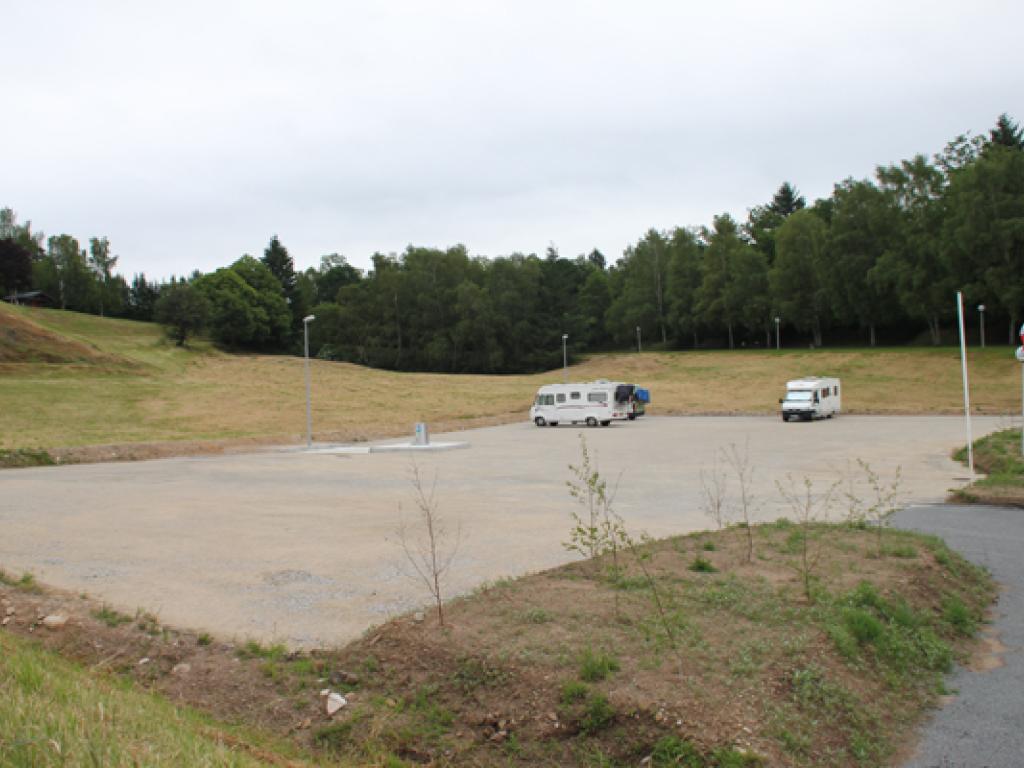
(591, 421)
(539, 421)
(606, 423)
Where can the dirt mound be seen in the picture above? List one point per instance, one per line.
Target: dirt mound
(23, 341)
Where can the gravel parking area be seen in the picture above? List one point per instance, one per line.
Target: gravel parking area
(301, 547)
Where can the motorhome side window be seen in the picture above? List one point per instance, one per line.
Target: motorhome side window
(545, 399)
(574, 395)
(824, 392)
(835, 390)
(597, 397)
(560, 397)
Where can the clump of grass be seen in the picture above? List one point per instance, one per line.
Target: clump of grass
(709, 546)
(16, 458)
(674, 752)
(862, 626)
(26, 582)
(574, 691)
(702, 565)
(596, 666)
(473, 673)
(254, 650)
(626, 583)
(110, 617)
(335, 736)
(536, 616)
(905, 551)
(959, 616)
(204, 639)
(598, 714)
(890, 630)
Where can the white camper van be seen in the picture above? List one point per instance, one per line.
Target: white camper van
(811, 398)
(589, 403)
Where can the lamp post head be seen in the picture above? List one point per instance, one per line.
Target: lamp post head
(309, 318)
(776, 321)
(981, 307)
(565, 336)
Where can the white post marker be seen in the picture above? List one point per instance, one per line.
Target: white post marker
(565, 359)
(967, 395)
(309, 408)
(1020, 357)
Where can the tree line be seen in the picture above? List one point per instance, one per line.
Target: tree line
(878, 258)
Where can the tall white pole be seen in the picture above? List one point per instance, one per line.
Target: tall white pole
(1022, 409)
(309, 408)
(565, 359)
(963, 368)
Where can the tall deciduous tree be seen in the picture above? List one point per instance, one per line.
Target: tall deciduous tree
(684, 279)
(247, 306)
(102, 263)
(983, 230)
(914, 265)
(734, 281)
(183, 309)
(864, 225)
(642, 301)
(798, 277)
(15, 267)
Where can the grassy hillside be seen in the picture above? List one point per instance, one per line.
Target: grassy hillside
(54, 713)
(68, 379)
(682, 652)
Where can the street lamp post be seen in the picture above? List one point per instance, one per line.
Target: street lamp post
(981, 313)
(777, 343)
(565, 359)
(639, 345)
(309, 408)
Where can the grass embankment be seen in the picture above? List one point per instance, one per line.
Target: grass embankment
(998, 456)
(74, 380)
(686, 653)
(55, 713)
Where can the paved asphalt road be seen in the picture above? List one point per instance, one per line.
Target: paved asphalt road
(983, 726)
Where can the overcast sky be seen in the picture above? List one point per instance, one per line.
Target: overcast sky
(189, 133)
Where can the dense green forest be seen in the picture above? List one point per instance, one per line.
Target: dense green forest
(878, 260)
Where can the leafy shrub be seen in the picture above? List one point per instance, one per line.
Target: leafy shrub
(574, 691)
(597, 715)
(702, 565)
(862, 626)
(959, 616)
(595, 666)
(673, 752)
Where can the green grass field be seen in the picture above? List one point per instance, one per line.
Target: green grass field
(68, 379)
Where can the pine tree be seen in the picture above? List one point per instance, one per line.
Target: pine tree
(1007, 133)
(787, 200)
(277, 260)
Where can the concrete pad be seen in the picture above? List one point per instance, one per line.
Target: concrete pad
(301, 547)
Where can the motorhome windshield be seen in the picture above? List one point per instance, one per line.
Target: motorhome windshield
(799, 396)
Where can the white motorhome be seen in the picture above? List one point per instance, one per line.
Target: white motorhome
(589, 403)
(811, 398)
